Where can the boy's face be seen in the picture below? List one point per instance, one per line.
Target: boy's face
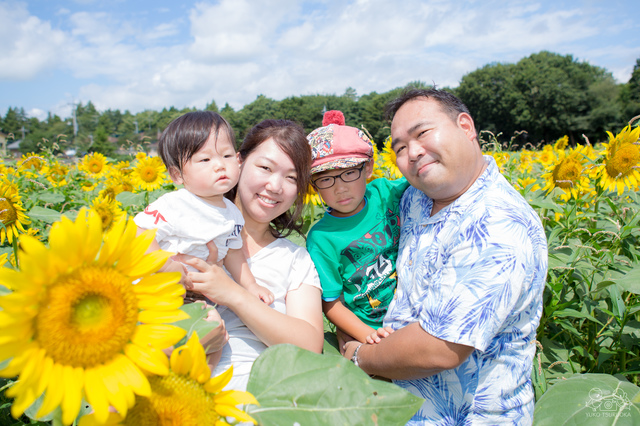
(345, 198)
(211, 171)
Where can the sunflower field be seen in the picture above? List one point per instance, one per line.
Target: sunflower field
(69, 258)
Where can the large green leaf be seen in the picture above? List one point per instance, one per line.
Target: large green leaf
(589, 399)
(50, 197)
(295, 386)
(197, 313)
(44, 214)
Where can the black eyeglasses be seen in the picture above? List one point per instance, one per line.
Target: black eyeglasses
(346, 176)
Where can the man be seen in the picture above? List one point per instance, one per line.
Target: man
(471, 270)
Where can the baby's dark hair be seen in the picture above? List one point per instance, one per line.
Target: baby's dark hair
(185, 135)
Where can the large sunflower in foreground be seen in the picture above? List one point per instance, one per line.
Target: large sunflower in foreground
(187, 396)
(12, 213)
(95, 165)
(76, 326)
(149, 173)
(569, 174)
(621, 167)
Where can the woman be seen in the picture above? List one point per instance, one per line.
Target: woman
(275, 161)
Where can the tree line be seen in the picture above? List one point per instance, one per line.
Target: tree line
(540, 98)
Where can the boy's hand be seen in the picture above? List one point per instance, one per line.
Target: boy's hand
(218, 337)
(378, 335)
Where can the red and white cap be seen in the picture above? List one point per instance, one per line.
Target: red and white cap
(336, 146)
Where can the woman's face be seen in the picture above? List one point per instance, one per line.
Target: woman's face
(268, 183)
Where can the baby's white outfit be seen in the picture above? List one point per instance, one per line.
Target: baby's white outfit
(185, 224)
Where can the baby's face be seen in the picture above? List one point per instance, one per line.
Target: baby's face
(211, 171)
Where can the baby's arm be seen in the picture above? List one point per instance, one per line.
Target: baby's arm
(236, 264)
(346, 320)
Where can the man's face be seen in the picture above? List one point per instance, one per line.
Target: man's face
(438, 155)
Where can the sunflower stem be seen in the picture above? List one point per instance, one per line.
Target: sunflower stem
(15, 251)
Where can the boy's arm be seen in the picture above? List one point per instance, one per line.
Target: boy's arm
(236, 264)
(346, 320)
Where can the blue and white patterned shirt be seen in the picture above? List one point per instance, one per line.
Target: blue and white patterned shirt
(473, 274)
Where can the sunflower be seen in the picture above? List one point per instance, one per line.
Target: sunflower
(88, 185)
(57, 174)
(94, 165)
(108, 209)
(621, 167)
(76, 326)
(149, 173)
(11, 213)
(562, 143)
(527, 184)
(186, 396)
(569, 174)
(141, 155)
(388, 160)
(546, 157)
(312, 197)
(32, 162)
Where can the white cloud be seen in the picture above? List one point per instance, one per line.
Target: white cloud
(28, 45)
(241, 48)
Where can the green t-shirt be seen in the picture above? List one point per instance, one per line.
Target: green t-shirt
(356, 256)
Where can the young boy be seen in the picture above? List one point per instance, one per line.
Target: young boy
(198, 151)
(355, 244)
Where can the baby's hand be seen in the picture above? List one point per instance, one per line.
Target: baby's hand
(262, 293)
(378, 335)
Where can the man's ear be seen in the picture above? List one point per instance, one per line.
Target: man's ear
(175, 175)
(467, 125)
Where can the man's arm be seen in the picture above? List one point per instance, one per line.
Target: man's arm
(408, 353)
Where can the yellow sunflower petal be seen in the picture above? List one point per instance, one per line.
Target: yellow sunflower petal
(158, 335)
(156, 282)
(157, 317)
(181, 361)
(96, 393)
(53, 394)
(216, 384)
(72, 398)
(149, 359)
(234, 397)
(227, 410)
(135, 378)
(117, 398)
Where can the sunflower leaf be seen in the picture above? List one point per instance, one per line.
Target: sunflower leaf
(296, 386)
(51, 198)
(44, 214)
(196, 322)
(598, 399)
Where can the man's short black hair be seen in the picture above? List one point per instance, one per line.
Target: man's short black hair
(450, 103)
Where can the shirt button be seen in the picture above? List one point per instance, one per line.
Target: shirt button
(410, 262)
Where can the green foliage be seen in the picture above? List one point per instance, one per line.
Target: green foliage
(589, 399)
(546, 94)
(295, 386)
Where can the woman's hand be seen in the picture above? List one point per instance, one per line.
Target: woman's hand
(212, 281)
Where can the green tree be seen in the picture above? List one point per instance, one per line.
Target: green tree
(546, 94)
(630, 94)
(101, 142)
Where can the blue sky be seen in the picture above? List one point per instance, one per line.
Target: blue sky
(137, 55)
